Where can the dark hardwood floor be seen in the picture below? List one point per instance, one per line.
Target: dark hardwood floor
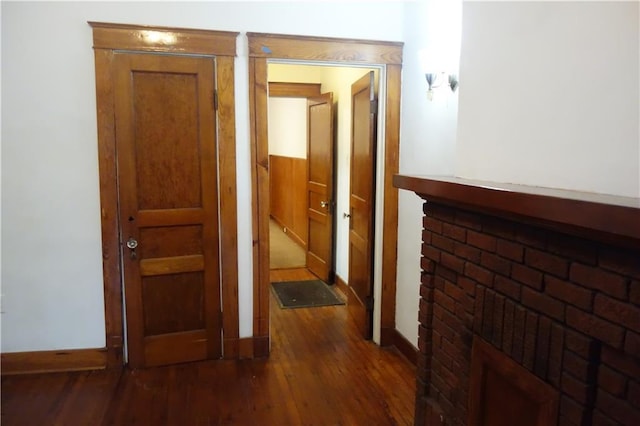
(320, 372)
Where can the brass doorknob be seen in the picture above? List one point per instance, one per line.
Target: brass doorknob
(132, 243)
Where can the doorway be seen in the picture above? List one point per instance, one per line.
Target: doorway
(388, 56)
(289, 132)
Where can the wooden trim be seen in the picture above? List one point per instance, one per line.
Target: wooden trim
(109, 208)
(256, 231)
(245, 348)
(163, 39)
(290, 233)
(390, 208)
(222, 45)
(405, 347)
(263, 46)
(228, 199)
(261, 347)
(342, 285)
(261, 209)
(605, 218)
(324, 49)
(54, 361)
(387, 336)
(294, 90)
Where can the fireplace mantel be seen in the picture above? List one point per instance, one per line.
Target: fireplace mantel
(599, 216)
(529, 298)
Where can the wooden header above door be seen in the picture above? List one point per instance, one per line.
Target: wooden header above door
(163, 39)
(294, 90)
(324, 49)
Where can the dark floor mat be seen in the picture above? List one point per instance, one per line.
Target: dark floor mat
(304, 294)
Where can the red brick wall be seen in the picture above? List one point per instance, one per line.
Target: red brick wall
(565, 308)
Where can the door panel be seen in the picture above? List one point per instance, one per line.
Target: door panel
(363, 156)
(166, 140)
(174, 303)
(167, 187)
(320, 147)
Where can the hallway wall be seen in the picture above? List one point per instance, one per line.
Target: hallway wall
(52, 292)
(525, 67)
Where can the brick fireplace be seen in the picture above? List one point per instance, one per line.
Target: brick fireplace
(527, 300)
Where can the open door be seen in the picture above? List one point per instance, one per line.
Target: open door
(361, 200)
(168, 198)
(320, 147)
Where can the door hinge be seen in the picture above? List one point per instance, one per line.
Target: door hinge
(374, 106)
(368, 303)
(215, 99)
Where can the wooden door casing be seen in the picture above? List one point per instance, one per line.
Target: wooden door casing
(109, 38)
(167, 186)
(320, 157)
(313, 49)
(361, 202)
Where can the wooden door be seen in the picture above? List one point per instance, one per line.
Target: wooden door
(320, 147)
(361, 202)
(167, 188)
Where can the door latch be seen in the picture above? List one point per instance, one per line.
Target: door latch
(132, 243)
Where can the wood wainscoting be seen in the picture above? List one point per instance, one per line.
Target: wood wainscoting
(53, 361)
(288, 184)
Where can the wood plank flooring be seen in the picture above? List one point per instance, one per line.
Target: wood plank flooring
(319, 373)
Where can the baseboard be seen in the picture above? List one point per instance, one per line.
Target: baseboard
(53, 361)
(260, 346)
(292, 235)
(342, 285)
(231, 348)
(405, 347)
(245, 348)
(387, 336)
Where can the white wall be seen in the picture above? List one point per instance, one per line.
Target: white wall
(288, 116)
(294, 73)
(549, 95)
(51, 264)
(288, 127)
(427, 141)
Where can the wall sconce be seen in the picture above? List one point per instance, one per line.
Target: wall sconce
(439, 64)
(436, 80)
